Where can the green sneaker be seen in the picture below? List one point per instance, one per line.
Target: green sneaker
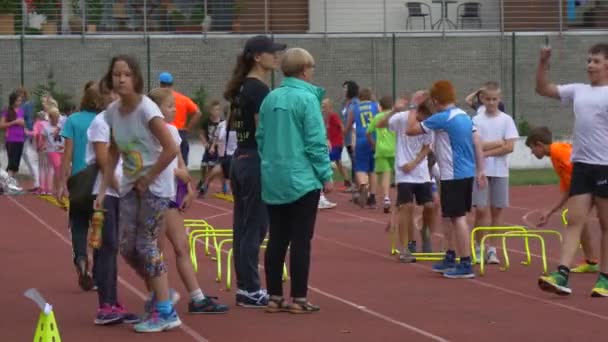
(556, 283)
(601, 287)
(586, 268)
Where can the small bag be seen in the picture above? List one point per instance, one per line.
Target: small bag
(80, 187)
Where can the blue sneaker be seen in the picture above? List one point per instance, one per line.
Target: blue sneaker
(157, 322)
(462, 271)
(257, 299)
(150, 304)
(446, 265)
(225, 188)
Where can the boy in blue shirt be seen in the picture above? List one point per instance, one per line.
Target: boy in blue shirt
(460, 160)
(363, 163)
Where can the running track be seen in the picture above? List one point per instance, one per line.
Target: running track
(364, 294)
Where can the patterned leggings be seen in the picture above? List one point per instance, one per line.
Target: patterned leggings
(141, 217)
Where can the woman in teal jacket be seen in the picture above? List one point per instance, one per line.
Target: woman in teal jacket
(292, 142)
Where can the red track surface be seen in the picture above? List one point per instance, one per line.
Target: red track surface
(364, 294)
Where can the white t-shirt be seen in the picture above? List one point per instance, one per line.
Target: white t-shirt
(139, 148)
(493, 128)
(169, 172)
(220, 133)
(54, 140)
(99, 132)
(590, 121)
(407, 148)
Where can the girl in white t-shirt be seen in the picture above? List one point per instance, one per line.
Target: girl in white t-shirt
(174, 222)
(140, 135)
(225, 148)
(105, 268)
(54, 146)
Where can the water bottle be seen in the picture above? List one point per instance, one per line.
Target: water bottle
(96, 229)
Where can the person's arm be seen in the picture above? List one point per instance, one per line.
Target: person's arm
(108, 173)
(400, 106)
(501, 150)
(470, 99)
(195, 113)
(182, 170)
(169, 152)
(544, 217)
(369, 133)
(543, 86)
(424, 151)
(490, 145)
(4, 124)
(479, 161)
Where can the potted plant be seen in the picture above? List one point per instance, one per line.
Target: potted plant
(8, 8)
(94, 11)
(239, 6)
(176, 20)
(51, 10)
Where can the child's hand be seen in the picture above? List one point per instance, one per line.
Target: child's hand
(142, 184)
(182, 174)
(408, 167)
(98, 204)
(187, 201)
(545, 55)
(544, 218)
(482, 180)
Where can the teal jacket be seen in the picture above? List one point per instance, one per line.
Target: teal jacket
(292, 142)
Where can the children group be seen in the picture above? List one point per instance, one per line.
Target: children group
(119, 154)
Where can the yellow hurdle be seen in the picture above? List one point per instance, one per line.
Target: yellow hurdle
(539, 231)
(525, 235)
(491, 229)
(214, 234)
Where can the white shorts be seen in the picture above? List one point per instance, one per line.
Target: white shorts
(495, 194)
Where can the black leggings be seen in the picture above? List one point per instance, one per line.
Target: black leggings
(14, 150)
(291, 225)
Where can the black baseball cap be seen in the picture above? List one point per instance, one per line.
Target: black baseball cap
(261, 44)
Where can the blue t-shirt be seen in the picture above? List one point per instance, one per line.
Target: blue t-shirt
(28, 114)
(363, 114)
(453, 143)
(75, 129)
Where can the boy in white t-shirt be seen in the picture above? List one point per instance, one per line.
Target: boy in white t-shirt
(589, 185)
(411, 175)
(498, 134)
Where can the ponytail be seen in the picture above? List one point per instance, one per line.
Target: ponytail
(244, 64)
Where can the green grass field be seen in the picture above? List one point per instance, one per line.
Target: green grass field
(517, 177)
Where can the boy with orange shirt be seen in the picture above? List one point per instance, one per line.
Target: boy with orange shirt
(540, 142)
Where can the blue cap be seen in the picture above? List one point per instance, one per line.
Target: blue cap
(165, 78)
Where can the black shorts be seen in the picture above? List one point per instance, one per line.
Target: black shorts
(407, 191)
(589, 179)
(456, 197)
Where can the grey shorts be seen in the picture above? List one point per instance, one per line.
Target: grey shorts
(495, 195)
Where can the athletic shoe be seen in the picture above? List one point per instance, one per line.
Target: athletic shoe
(351, 188)
(324, 203)
(371, 202)
(586, 268)
(363, 196)
(225, 187)
(206, 306)
(106, 316)
(85, 281)
(601, 287)
(411, 246)
(406, 257)
(387, 206)
(157, 322)
(556, 283)
(127, 317)
(258, 299)
(491, 257)
(462, 271)
(446, 265)
(151, 302)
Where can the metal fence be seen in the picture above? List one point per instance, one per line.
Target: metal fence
(90, 17)
(390, 64)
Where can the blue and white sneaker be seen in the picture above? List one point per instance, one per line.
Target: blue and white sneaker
(157, 322)
(448, 264)
(150, 304)
(258, 299)
(462, 271)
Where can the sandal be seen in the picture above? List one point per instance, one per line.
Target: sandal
(302, 307)
(276, 304)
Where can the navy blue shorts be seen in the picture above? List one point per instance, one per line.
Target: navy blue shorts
(335, 154)
(364, 158)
